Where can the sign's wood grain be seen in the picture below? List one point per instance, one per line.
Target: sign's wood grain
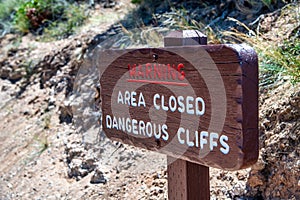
(217, 85)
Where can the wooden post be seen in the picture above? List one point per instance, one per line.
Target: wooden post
(186, 180)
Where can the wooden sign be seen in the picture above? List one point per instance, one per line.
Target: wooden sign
(196, 103)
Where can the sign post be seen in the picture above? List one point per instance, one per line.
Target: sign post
(187, 180)
(196, 103)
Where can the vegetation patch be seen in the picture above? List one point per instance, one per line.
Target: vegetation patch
(54, 18)
(7, 11)
(276, 60)
(33, 15)
(279, 55)
(71, 18)
(281, 60)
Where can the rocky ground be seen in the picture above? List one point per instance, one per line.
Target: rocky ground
(46, 155)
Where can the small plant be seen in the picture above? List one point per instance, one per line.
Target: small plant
(47, 121)
(281, 60)
(58, 17)
(38, 144)
(41, 144)
(136, 1)
(276, 60)
(268, 3)
(7, 7)
(73, 17)
(35, 14)
(7, 10)
(28, 69)
(288, 56)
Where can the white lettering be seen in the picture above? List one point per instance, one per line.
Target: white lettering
(174, 106)
(156, 96)
(164, 128)
(157, 134)
(189, 105)
(200, 100)
(180, 104)
(115, 123)
(213, 143)
(128, 126)
(142, 127)
(122, 123)
(149, 126)
(225, 147)
(196, 139)
(141, 100)
(180, 131)
(165, 108)
(134, 126)
(133, 100)
(202, 139)
(120, 98)
(127, 98)
(108, 121)
(188, 142)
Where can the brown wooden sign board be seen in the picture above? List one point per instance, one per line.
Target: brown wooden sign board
(196, 103)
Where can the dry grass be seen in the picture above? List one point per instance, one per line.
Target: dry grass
(278, 56)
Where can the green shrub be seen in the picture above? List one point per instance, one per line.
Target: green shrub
(58, 18)
(136, 1)
(7, 7)
(276, 60)
(284, 59)
(36, 14)
(7, 11)
(73, 17)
